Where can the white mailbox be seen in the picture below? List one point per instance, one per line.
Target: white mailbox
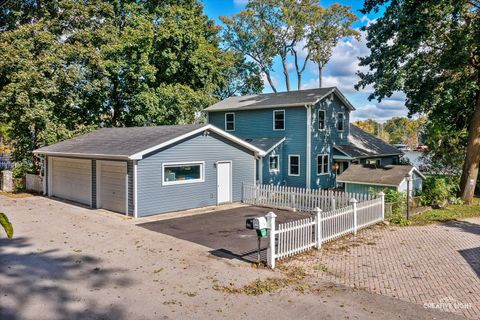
(260, 223)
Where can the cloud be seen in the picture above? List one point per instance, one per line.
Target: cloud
(378, 112)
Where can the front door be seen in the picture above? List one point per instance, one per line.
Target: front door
(224, 182)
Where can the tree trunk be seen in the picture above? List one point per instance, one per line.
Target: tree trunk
(472, 158)
(285, 71)
(299, 81)
(320, 67)
(270, 82)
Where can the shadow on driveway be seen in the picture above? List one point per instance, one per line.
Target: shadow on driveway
(51, 278)
(223, 231)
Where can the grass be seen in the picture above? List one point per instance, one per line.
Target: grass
(16, 194)
(452, 212)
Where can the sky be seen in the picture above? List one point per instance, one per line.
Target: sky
(340, 71)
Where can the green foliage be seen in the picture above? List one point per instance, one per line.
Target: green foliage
(69, 67)
(270, 29)
(7, 226)
(437, 190)
(399, 218)
(392, 195)
(430, 50)
(452, 212)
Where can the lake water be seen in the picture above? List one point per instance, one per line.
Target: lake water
(414, 157)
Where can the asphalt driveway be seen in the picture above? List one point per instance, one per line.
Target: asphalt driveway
(223, 231)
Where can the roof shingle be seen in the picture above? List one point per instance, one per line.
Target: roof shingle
(391, 175)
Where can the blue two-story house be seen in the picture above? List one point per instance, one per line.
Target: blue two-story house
(306, 134)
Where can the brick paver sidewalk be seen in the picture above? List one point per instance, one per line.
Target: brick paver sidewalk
(437, 265)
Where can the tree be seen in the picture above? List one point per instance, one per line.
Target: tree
(304, 30)
(373, 127)
(70, 66)
(334, 23)
(431, 51)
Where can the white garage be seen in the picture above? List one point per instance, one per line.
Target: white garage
(112, 185)
(71, 179)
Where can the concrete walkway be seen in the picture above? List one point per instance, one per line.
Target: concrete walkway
(68, 262)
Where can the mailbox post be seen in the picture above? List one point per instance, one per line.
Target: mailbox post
(260, 225)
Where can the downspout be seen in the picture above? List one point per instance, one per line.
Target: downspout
(260, 170)
(309, 147)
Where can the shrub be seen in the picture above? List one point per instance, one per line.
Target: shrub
(19, 172)
(438, 190)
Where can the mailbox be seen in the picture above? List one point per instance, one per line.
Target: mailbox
(259, 224)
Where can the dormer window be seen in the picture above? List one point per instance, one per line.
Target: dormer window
(340, 121)
(321, 119)
(230, 121)
(279, 120)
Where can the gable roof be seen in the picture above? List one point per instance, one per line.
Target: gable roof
(265, 143)
(298, 98)
(363, 144)
(132, 143)
(391, 175)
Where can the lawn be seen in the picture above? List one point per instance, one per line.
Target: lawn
(452, 212)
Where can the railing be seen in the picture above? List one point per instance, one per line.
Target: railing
(297, 236)
(301, 199)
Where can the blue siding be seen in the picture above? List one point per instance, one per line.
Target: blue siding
(324, 140)
(365, 188)
(154, 198)
(274, 177)
(259, 123)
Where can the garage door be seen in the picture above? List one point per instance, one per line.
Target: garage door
(72, 179)
(113, 186)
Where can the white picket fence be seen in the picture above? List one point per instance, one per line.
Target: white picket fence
(298, 236)
(300, 199)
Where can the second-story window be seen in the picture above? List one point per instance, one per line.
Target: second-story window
(321, 119)
(293, 165)
(340, 120)
(229, 121)
(279, 120)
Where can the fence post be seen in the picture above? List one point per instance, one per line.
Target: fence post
(333, 202)
(271, 247)
(382, 196)
(354, 201)
(318, 227)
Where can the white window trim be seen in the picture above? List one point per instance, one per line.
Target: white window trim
(343, 121)
(227, 113)
(324, 120)
(170, 183)
(278, 163)
(374, 159)
(328, 166)
(299, 165)
(284, 120)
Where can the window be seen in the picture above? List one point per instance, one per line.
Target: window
(340, 117)
(279, 120)
(293, 165)
(182, 173)
(321, 119)
(376, 162)
(229, 121)
(323, 164)
(273, 164)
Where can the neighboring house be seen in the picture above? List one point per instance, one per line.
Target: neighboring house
(364, 178)
(150, 170)
(308, 132)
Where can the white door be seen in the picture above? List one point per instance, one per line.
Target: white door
(71, 179)
(112, 186)
(224, 182)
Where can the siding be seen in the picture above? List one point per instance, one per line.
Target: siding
(274, 177)
(154, 198)
(259, 123)
(364, 188)
(324, 140)
(130, 200)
